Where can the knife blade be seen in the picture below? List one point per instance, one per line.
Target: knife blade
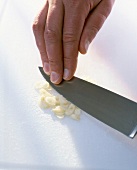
(110, 108)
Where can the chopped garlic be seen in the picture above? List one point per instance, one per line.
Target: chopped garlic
(45, 93)
(59, 111)
(57, 100)
(51, 101)
(75, 117)
(46, 86)
(42, 103)
(42, 84)
(62, 100)
(70, 109)
(38, 85)
(77, 112)
(59, 105)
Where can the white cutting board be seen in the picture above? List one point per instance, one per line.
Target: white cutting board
(31, 139)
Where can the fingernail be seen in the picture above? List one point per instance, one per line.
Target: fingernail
(46, 68)
(54, 77)
(87, 45)
(66, 73)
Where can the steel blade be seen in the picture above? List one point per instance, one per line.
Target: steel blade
(114, 110)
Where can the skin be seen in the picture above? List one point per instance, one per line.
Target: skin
(65, 27)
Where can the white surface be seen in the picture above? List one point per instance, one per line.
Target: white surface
(31, 139)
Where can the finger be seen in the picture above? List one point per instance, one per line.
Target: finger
(38, 29)
(53, 38)
(73, 24)
(94, 23)
(74, 19)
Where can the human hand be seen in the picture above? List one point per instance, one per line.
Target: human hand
(64, 27)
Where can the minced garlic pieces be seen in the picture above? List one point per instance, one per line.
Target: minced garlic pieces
(59, 111)
(42, 103)
(76, 114)
(45, 93)
(70, 110)
(59, 105)
(51, 101)
(62, 100)
(42, 85)
(75, 117)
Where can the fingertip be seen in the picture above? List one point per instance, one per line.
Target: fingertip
(82, 50)
(55, 77)
(66, 74)
(84, 45)
(46, 68)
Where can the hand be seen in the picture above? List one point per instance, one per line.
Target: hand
(64, 27)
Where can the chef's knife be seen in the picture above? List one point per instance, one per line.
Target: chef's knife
(114, 110)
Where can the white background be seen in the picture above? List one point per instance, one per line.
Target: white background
(32, 139)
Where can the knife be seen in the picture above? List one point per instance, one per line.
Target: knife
(112, 109)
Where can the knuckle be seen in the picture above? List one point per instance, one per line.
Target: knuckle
(53, 61)
(55, 64)
(90, 33)
(72, 4)
(91, 4)
(69, 38)
(108, 6)
(94, 30)
(51, 36)
(37, 27)
(43, 52)
(70, 60)
(102, 16)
